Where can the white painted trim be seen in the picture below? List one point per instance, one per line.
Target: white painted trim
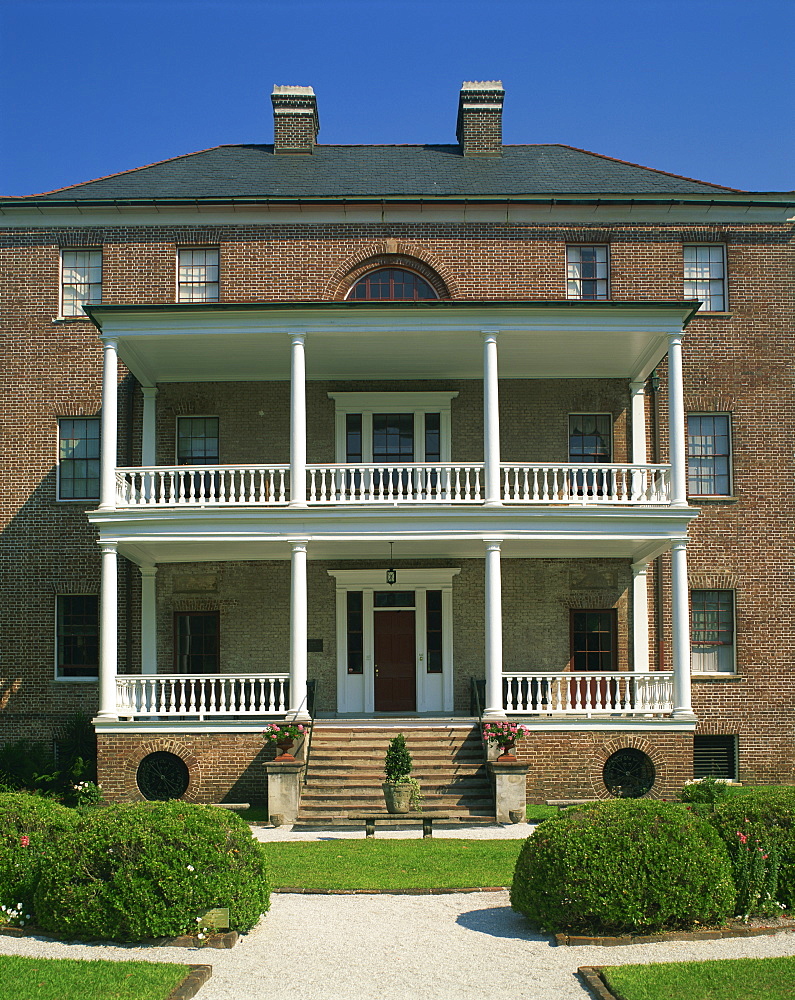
(368, 403)
(368, 581)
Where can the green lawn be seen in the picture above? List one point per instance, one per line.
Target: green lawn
(68, 979)
(393, 864)
(727, 979)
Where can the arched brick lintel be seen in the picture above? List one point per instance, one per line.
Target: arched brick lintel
(163, 745)
(604, 750)
(392, 253)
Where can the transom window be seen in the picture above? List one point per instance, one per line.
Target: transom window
(709, 454)
(586, 272)
(78, 458)
(81, 280)
(391, 284)
(197, 276)
(705, 276)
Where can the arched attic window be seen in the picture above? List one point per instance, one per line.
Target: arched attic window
(391, 284)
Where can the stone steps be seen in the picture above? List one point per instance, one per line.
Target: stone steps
(346, 771)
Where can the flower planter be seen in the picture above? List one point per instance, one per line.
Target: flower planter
(397, 796)
(284, 747)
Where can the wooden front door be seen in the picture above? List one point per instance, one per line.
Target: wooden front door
(395, 653)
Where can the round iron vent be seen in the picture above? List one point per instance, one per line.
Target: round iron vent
(162, 776)
(628, 774)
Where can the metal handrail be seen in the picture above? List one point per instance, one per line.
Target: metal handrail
(312, 688)
(476, 684)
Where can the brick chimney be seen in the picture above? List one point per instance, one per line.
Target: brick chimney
(479, 127)
(295, 120)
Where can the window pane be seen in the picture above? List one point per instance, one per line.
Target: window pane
(78, 635)
(593, 640)
(391, 283)
(81, 280)
(197, 441)
(712, 631)
(196, 642)
(197, 275)
(708, 454)
(78, 458)
(590, 437)
(587, 272)
(433, 638)
(704, 276)
(355, 619)
(433, 437)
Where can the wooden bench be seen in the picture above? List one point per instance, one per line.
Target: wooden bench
(565, 803)
(426, 819)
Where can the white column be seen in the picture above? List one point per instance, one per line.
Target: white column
(298, 634)
(494, 707)
(491, 419)
(680, 629)
(640, 617)
(148, 620)
(108, 632)
(110, 381)
(148, 449)
(297, 421)
(638, 411)
(676, 422)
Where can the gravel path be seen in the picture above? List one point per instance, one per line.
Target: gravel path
(382, 947)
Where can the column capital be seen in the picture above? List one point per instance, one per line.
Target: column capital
(149, 391)
(493, 544)
(147, 571)
(678, 544)
(489, 332)
(675, 339)
(297, 336)
(637, 387)
(107, 547)
(640, 568)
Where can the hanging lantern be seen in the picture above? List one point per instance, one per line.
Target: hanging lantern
(391, 573)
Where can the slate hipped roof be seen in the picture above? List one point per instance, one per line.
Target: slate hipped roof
(336, 172)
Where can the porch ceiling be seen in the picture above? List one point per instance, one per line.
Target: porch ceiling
(422, 340)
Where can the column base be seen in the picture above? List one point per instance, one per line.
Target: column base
(298, 716)
(106, 717)
(684, 713)
(494, 713)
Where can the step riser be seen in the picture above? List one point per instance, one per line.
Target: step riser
(346, 772)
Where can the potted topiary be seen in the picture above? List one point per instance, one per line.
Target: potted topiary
(401, 791)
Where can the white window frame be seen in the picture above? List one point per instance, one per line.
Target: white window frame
(58, 460)
(705, 304)
(606, 279)
(61, 284)
(61, 678)
(356, 692)
(588, 413)
(217, 282)
(418, 403)
(697, 672)
(714, 413)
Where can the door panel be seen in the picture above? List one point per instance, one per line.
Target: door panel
(395, 653)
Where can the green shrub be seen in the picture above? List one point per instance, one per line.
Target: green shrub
(150, 869)
(770, 815)
(704, 791)
(32, 829)
(623, 866)
(397, 762)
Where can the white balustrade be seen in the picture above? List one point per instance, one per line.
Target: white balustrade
(439, 482)
(201, 695)
(412, 482)
(586, 484)
(616, 693)
(195, 485)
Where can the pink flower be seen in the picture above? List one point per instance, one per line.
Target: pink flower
(742, 836)
(24, 840)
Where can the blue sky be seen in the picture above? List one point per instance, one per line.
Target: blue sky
(702, 88)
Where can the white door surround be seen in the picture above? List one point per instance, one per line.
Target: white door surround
(356, 692)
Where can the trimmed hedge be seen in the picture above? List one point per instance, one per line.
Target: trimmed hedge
(32, 831)
(623, 866)
(771, 818)
(149, 869)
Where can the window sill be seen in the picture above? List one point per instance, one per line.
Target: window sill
(698, 501)
(76, 680)
(714, 677)
(71, 319)
(717, 314)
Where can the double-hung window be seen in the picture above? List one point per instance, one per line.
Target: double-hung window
(590, 443)
(712, 631)
(709, 454)
(81, 280)
(705, 275)
(196, 642)
(197, 444)
(197, 275)
(77, 635)
(587, 272)
(78, 458)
